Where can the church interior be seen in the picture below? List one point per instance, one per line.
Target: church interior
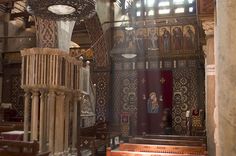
(117, 77)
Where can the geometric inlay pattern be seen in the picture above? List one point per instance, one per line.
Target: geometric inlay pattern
(46, 33)
(124, 99)
(115, 107)
(129, 98)
(102, 90)
(184, 97)
(102, 79)
(16, 92)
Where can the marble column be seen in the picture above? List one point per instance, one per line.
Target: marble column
(67, 120)
(208, 27)
(34, 115)
(47, 116)
(26, 115)
(42, 128)
(226, 76)
(59, 123)
(51, 103)
(75, 122)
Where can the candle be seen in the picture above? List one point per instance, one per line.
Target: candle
(187, 113)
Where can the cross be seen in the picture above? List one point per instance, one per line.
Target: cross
(162, 80)
(143, 80)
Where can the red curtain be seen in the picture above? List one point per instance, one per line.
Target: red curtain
(160, 82)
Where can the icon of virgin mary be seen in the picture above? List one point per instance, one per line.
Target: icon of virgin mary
(152, 103)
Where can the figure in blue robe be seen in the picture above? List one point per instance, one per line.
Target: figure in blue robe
(152, 103)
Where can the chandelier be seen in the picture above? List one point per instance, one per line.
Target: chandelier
(62, 9)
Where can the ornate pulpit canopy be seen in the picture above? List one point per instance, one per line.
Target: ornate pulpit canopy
(62, 9)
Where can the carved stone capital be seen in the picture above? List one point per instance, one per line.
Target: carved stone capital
(35, 93)
(208, 27)
(52, 93)
(27, 94)
(61, 93)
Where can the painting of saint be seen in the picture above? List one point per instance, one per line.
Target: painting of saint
(130, 39)
(165, 39)
(140, 39)
(189, 37)
(152, 103)
(177, 38)
(119, 38)
(153, 39)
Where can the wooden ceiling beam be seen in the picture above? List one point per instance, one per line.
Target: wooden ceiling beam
(19, 14)
(8, 1)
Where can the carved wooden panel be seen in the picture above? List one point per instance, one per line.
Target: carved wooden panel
(197, 150)
(12, 92)
(102, 80)
(46, 33)
(184, 98)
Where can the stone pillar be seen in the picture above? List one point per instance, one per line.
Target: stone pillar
(26, 115)
(42, 130)
(47, 117)
(225, 76)
(67, 118)
(208, 26)
(75, 122)
(34, 115)
(51, 103)
(59, 123)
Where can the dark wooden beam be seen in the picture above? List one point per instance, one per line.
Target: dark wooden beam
(8, 1)
(19, 14)
(80, 31)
